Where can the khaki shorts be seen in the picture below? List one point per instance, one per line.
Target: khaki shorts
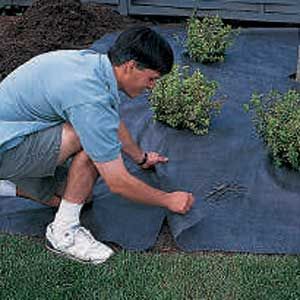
(32, 165)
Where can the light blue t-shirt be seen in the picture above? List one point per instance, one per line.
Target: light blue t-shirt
(63, 86)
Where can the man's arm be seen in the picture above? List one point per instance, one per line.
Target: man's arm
(120, 181)
(130, 147)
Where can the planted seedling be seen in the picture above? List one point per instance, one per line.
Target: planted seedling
(207, 40)
(184, 101)
(277, 120)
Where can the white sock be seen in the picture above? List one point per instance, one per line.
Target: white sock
(68, 213)
(7, 188)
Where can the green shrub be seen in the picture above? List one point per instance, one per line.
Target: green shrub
(208, 39)
(277, 120)
(183, 101)
(11, 10)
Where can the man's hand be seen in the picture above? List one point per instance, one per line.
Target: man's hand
(123, 183)
(130, 147)
(154, 158)
(180, 202)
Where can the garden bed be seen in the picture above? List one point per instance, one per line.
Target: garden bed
(51, 25)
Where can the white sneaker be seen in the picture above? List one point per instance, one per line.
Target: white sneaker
(77, 243)
(7, 188)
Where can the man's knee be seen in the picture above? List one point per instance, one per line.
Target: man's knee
(84, 164)
(70, 143)
(83, 159)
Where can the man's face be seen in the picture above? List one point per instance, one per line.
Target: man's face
(137, 80)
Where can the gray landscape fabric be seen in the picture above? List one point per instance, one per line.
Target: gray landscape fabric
(243, 203)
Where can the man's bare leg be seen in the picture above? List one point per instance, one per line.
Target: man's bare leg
(65, 235)
(81, 179)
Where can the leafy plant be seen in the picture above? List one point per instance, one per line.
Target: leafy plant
(183, 101)
(277, 120)
(11, 10)
(208, 39)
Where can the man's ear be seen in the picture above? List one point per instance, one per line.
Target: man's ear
(130, 65)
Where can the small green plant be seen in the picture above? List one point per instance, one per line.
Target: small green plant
(11, 10)
(4, 9)
(208, 39)
(277, 120)
(183, 101)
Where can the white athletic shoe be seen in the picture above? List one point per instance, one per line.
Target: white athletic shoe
(7, 188)
(77, 243)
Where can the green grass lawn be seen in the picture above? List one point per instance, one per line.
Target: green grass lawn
(28, 271)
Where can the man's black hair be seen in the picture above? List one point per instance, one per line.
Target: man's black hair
(146, 47)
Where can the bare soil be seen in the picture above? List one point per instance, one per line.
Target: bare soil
(54, 24)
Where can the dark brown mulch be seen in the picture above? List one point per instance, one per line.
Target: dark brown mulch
(165, 242)
(54, 24)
